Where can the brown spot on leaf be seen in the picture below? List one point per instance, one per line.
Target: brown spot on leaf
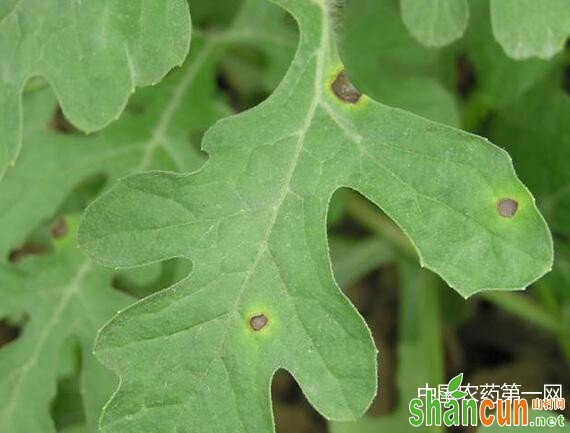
(258, 322)
(59, 229)
(344, 89)
(507, 207)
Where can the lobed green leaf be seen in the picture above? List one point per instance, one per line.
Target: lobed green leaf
(65, 297)
(262, 296)
(92, 53)
(524, 28)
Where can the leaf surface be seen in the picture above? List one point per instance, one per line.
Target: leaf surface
(435, 23)
(160, 129)
(65, 297)
(262, 296)
(527, 28)
(524, 28)
(387, 64)
(151, 134)
(539, 142)
(500, 79)
(92, 53)
(419, 339)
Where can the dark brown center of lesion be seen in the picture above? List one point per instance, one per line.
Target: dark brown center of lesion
(507, 207)
(258, 322)
(344, 89)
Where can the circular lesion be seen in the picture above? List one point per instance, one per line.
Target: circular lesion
(344, 90)
(507, 207)
(258, 322)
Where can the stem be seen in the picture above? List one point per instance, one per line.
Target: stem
(371, 218)
(525, 308)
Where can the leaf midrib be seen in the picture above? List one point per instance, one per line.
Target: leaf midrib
(314, 104)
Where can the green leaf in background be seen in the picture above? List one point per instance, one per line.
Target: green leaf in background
(500, 80)
(160, 129)
(261, 30)
(209, 14)
(150, 134)
(262, 295)
(65, 296)
(435, 23)
(524, 28)
(67, 407)
(530, 28)
(387, 64)
(92, 53)
(76, 429)
(420, 352)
